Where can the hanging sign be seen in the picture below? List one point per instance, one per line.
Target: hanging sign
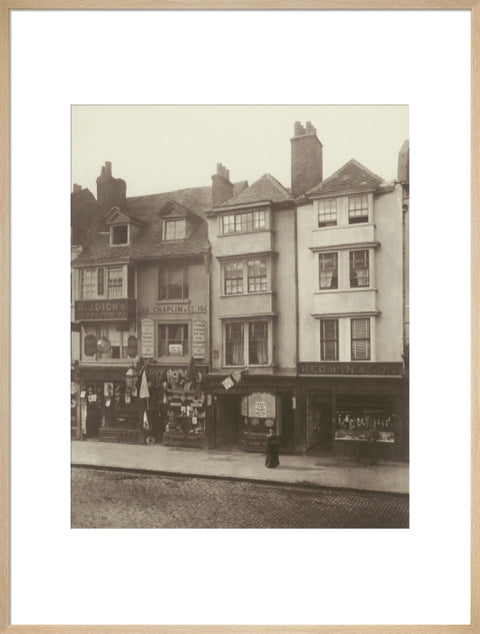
(147, 338)
(228, 383)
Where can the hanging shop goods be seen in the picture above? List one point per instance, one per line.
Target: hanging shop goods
(184, 407)
(261, 413)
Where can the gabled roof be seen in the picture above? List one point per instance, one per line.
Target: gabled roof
(266, 188)
(352, 177)
(117, 216)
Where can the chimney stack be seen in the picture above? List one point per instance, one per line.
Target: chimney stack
(306, 158)
(222, 188)
(111, 192)
(76, 188)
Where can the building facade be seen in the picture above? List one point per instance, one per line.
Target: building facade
(210, 316)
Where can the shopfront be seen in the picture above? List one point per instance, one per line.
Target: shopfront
(342, 403)
(245, 408)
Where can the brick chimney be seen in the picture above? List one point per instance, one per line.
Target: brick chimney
(307, 158)
(222, 188)
(111, 191)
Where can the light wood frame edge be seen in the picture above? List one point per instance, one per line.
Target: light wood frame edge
(6, 8)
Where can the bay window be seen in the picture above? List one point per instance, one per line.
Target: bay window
(246, 343)
(246, 276)
(244, 222)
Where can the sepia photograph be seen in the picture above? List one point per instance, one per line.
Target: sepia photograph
(240, 316)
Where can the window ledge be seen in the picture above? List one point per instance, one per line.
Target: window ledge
(243, 233)
(333, 227)
(345, 290)
(248, 294)
(173, 301)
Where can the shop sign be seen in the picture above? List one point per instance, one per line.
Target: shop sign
(228, 383)
(262, 405)
(90, 345)
(104, 310)
(104, 345)
(198, 339)
(147, 338)
(132, 347)
(351, 369)
(173, 309)
(175, 349)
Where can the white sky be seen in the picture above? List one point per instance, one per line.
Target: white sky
(163, 148)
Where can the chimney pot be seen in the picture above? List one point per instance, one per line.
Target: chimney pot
(306, 159)
(222, 188)
(108, 169)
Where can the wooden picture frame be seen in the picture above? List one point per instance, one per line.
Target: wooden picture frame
(473, 7)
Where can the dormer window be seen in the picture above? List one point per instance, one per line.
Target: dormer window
(119, 235)
(174, 229)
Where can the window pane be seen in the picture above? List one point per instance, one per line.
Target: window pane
(88, 283)
(357, 209)
(228, 224)
(258, 343)
(360, 330)
(327, 213)
(359, 268)
(115, 279)
(233, 272)
(328, 266)
(120, 234)
(174, 229)
(234, 344)
(259, 220)
(329, 339)
(257, 276)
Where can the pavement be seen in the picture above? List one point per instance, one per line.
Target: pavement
(232, 463)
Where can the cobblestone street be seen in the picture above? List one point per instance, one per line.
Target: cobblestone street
(117, 499)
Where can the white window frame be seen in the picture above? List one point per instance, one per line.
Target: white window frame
(325, 223)
(246, 341)
(244, 261)
(175, 221)
(235, 219)
(112, 231)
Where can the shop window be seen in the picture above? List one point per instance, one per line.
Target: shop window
(359, 269)
(173, 340)
(119, 235)
(357, 209)
(327, 213)
(175, 229)
(115, 282)
(329, 339)
(233, 278)
(328, 270)
(173, 283)
(360, 339)
(234, 344)
(88, 283)
(246, 343)
(244, 222)
(258, 343)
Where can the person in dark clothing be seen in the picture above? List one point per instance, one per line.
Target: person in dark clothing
(372, 439)
(271, 460)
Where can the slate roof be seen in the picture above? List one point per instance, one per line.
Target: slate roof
(266, 188)
(353, 176)
(148, 241)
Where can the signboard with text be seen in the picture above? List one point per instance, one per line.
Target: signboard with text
(147, 338)
(198, 339)
(351, 369)
(105, 310)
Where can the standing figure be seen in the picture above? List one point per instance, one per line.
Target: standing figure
(271, 460)
(372, 439)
